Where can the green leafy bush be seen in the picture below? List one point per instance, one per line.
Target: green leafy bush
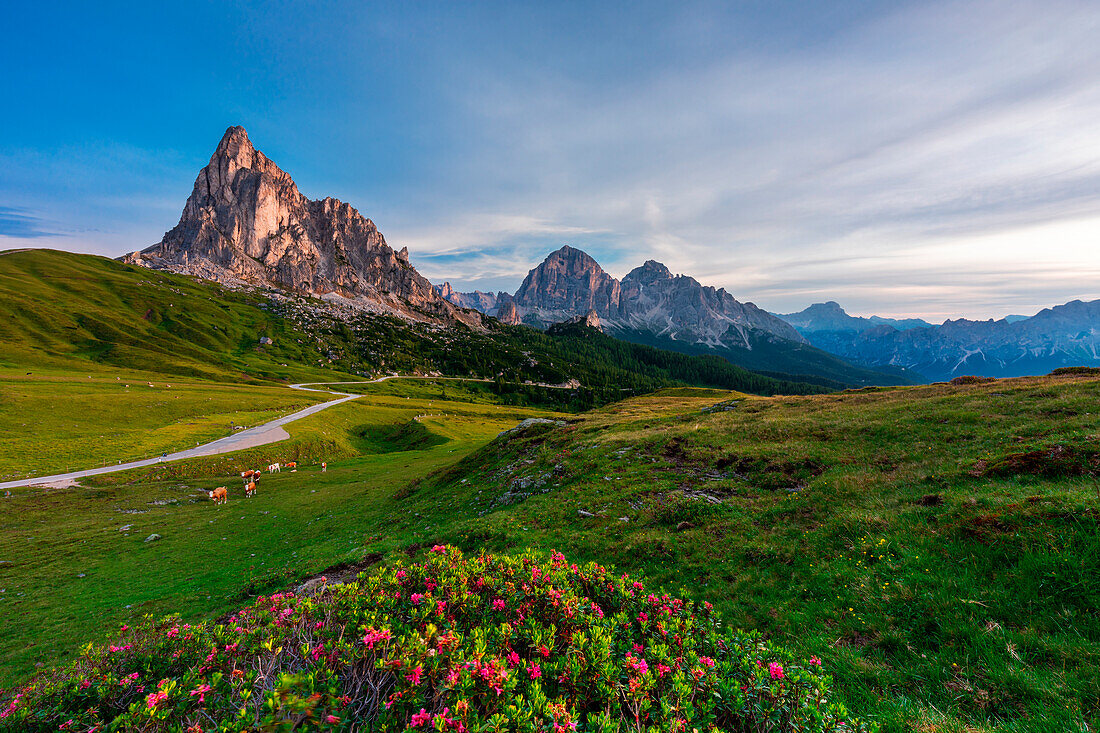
(487, 643)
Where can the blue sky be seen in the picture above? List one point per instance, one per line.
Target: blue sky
(938, 158)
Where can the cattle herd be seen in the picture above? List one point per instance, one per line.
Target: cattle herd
(251, 480)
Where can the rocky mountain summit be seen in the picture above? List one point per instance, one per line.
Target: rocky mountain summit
(246, 222)
(1065, 335)
(569, 283)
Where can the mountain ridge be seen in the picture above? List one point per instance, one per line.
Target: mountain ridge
(1058, 336)
(830, 316)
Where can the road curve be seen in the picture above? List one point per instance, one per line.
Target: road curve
(271, 432)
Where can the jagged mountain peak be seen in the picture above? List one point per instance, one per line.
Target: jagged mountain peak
(571, 283)
(235, 145)
(575, 258)
(569, 280)
(829, 307)
(246, 221)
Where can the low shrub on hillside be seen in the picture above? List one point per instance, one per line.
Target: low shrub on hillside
(971, 379)
(1076, 371)
(452, 644)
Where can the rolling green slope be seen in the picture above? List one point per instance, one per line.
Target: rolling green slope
(69, 312)
(934, 546)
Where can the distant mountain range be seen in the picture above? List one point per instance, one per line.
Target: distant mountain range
(1065, 335)
(245, 222)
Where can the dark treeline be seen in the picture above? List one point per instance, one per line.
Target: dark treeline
(607, 369)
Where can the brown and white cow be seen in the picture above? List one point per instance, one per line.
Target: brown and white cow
(250, 489)
(293, 465)
(220, 495)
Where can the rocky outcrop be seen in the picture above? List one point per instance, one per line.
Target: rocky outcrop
(507, 312)
(246, 221)
(477, 300)
(591, 319)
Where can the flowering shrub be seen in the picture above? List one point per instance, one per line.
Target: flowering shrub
(488, 643)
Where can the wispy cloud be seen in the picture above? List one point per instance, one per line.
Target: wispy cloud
(927, 128)
(18, 224)
(933, 158)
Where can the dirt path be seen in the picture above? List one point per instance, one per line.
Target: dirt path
(271, 432)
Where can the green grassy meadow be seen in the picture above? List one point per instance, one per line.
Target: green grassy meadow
(56, 422)
(80, 313)
(935, 546)
(69, 571)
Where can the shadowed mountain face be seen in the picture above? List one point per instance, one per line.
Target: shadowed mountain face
(1065, 335)
(246, 221)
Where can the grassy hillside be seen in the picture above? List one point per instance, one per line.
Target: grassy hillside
(63, 311)
(934, 546)
(74, 563)
(57, 422)
(937, 546)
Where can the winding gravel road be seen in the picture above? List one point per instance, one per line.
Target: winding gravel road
(271, 432)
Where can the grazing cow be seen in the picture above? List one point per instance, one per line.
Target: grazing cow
(324, 467)
(292, 465)
(250, 489)
(274, 468)
(220, 495)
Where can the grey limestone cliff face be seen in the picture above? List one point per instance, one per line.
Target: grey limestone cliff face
(477, 300)
(650, 299)
(569, 280)
(246, 220)
(680, 306)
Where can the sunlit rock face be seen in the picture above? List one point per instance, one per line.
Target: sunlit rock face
(650, 299)
(246, 221)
